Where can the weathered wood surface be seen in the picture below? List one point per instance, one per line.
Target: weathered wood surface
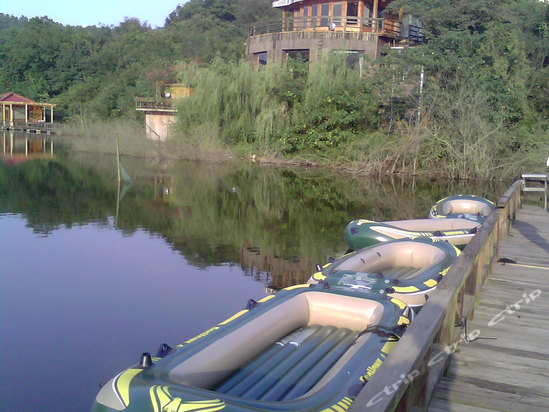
(508, 368)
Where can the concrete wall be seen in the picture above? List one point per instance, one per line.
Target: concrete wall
(277, 44)
(157, 125)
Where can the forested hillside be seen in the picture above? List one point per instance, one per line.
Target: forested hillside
(481, 111)
(95, 72)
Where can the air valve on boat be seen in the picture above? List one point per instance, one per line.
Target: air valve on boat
(163, 350)
(146, 360)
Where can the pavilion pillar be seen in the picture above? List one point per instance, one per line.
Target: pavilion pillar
(11, 114)
(284, 20)
(51, 112)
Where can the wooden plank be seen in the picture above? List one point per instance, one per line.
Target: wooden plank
(478, 393)
(531, 381)
(517, 358)
(439, 405)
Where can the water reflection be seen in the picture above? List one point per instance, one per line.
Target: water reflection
(276, 220)
(20, 147)
(94, 274)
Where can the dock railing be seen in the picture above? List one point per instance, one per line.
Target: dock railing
(529, 181)
(386, 26)
(408, 377)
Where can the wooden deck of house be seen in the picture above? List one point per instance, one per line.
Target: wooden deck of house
(438, 364)
(507, 368)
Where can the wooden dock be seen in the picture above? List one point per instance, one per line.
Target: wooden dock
(480, 343)
(507, 367)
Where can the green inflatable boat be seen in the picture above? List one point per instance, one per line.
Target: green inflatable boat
(307, 348)
(410, 268)
(470, 207)
(363, 233)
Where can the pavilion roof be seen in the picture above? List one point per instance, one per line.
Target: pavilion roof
(11, 98)
(14, 97)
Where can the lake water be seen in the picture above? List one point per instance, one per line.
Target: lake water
(94, 274)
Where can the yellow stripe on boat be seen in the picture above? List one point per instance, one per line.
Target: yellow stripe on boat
(319, 276)
(403, 320)
(341, 406)
(233, 317)
(430, 283)
(399, 303)
(266, 298)
(160, 397)
(201, 335)
(405, 289)
(372, 369)
(297, 287)
(163, 402)
(388, 347)
(347, 401)
(172, 406)
(123, 384)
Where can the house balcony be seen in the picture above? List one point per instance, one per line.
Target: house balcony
(389, 27)
(155, 105)
(309, 35)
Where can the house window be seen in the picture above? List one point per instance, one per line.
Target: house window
(314, 14)
(302, 54)
(261, 58)
(367, 10)
(337, 13)
(305, 17)
(352, 11)
(325, 15)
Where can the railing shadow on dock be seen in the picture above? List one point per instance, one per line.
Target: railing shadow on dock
(408, 377)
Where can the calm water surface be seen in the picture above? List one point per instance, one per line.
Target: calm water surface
(93, 275)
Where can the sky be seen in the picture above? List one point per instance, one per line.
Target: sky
(92, 12)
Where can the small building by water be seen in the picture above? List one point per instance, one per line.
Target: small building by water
(160, 111)
(21, 113)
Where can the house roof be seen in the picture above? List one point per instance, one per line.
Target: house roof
(284, 3)
(14, 97)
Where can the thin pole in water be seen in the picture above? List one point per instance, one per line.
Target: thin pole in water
(118, 157)
(118, 187)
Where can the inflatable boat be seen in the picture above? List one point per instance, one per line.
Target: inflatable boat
(363, 233)
(470, 207)
(307, 348)
(411, 268)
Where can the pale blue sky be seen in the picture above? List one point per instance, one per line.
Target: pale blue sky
(92, 12)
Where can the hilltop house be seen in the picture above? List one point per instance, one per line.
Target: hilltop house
(309, 27)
